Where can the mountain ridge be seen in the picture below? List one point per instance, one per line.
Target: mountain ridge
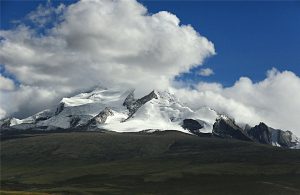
(120, 111)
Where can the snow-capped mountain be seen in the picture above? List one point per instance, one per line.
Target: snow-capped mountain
(120, 111)
(117, 110)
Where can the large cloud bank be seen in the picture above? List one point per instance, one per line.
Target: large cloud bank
(92, 42)
(275, 100)
(119, 43)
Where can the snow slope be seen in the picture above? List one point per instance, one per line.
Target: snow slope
(119, 110)
(164, 113)
(86, 106)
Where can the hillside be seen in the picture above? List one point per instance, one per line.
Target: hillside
(166, 162)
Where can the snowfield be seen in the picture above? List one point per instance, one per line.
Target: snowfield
(118, 110)
(164, 113)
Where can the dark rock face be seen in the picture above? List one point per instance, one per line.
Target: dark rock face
(266, 135)
(261, 133)
(41, 119)
(74, 121)
(147, 98)
(5, 123)
(99, 119)
(191, 124)
(60, 108)
(247, 128)
(285, 139)
(43, 116)
(226, 128)
(194, 127)
(102, 116)
(133, 105)
(129, 101)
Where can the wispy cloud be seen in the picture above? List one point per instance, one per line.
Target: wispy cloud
(6, 84)
(206, 72)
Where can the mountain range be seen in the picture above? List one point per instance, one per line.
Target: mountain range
(118, 110)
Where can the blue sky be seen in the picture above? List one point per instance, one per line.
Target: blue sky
(250, 37)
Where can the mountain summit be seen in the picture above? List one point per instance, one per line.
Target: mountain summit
(121, 111)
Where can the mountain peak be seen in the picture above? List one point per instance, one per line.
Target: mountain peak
(119, 110)
(226, 128)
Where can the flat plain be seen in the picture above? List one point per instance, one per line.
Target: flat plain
(166, 162)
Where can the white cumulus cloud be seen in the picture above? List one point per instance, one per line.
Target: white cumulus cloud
(104, 41)
(274, 100)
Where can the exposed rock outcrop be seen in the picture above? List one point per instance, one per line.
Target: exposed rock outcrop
(102, 116)
(99, 119)
(74, 121)
(266, 135)
(261, 133)
(287, 139)
(226, 128)
(195, 126)
(191, 124)
(5, 123)
(133, 105)
(60, 108)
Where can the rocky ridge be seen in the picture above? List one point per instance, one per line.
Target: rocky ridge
(117, 110)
